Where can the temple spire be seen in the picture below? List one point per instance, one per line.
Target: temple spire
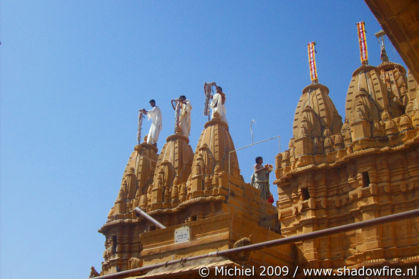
(362, 42)
(311, 47)
(380, 36)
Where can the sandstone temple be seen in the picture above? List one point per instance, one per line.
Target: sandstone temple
(335, 171)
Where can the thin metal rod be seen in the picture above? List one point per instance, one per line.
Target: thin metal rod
(275, 242)
(251, 130)
(244, 147)
(249, 145)
(238, 149)
(148, 217)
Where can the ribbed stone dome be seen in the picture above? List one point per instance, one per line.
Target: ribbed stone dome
(313, 109)
(172, 170)
(137, 177)
(393, 76)
(367, 96)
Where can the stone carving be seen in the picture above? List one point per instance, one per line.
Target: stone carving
(378, 129)
(172, 169)
(328, 141)
(346, 132)
(389, 125)
(393, 76)
(127, 193)
(310, 124)
(365, 107)
(339, 142)
(93, 272)
(134, 262)
(405, 123)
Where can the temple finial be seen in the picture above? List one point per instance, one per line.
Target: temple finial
(311, 47)
(362, 42)
(380, 36)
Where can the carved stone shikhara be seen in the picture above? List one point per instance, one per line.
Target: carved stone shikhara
(366, 168)
(202, 190)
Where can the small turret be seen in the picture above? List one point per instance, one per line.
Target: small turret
(315, 114)
(214, 159)
(122, 226)
(172, 170)
(136, 179)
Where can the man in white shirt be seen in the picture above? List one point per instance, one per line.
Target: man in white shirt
(183, 107)
(217, 104)
(156, 122)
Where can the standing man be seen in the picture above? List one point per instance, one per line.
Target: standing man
(156, 122)
(183, 108)
(260, 178)
(217, 104)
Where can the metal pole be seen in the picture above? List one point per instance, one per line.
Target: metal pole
(251, 129)
(275, 242)
(247, 146)
(148, 217)
(238, 149)
(140, 125)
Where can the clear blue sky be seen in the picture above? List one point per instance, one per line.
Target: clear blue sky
(74, 74)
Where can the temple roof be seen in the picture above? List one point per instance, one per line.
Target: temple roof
(367, 96)
(136, 179)
(216, 141)
(375, 90)
(178, 153)
(316, 109)
(172, 170)
(393, 75)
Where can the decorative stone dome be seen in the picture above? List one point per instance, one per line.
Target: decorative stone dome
(367, 96)
(413, 95)
(393, 75)
(136, 179)
(315, 112)
(171, 173)
(214, 158)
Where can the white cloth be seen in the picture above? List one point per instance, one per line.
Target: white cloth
(185, 118)
(153, 134)
(218, 106)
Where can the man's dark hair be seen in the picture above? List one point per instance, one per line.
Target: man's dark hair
(219, 87)
(182, 97)
(152, 101)
(257, 158)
